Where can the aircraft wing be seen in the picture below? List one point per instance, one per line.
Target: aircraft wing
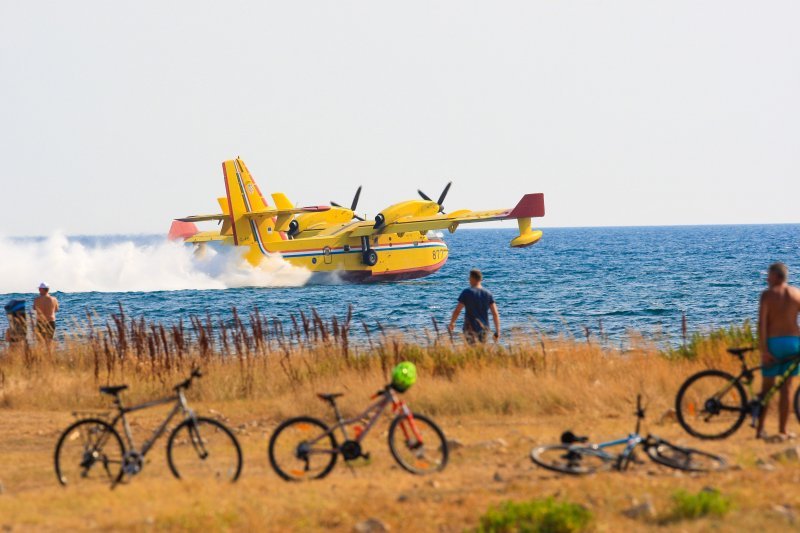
(531, 205)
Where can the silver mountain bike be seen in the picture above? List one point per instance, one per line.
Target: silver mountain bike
(92, 451)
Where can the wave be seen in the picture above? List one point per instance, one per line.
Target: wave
(72, 264)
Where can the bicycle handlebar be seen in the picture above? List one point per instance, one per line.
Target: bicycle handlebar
(640, 413)
(185, 384)
(382, 391)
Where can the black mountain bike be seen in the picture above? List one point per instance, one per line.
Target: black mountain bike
(91, 449)
(713, 404)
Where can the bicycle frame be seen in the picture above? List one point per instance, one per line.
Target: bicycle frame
(180, 406)
(372, 414)
(631, 441)
(747, 376)
(598, 450)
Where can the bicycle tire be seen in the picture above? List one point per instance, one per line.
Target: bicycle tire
(396, 452)
(66, 436)
(683, 459)
(571, 457)
(797, 403)
(296, 475)
(235, 468)
(684, 418)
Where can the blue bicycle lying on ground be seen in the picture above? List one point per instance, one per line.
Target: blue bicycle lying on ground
(575, 456)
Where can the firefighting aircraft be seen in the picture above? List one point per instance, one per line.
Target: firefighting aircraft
(395, 245)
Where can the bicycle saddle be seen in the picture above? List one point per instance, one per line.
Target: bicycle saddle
(113, 390)
(329, 397)
(739, 352)
(569, 437)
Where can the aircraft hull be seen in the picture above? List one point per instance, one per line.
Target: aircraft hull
(398, 259)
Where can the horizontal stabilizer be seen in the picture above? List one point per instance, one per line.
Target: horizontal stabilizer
(292, 211)
(180, 230)
(202, 218)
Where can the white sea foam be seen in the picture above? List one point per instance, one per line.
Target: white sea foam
(125, 265)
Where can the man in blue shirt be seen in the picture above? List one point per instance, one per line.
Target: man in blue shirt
(478, 302)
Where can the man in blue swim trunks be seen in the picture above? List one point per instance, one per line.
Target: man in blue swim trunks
(779, 338)
(477, 302)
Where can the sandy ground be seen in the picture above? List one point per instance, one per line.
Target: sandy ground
(492, 466)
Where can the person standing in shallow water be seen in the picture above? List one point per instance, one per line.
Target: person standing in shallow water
(779, 338)
(477, 302)
(46, 308)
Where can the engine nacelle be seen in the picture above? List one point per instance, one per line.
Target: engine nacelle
(317, 221)
(409, 208)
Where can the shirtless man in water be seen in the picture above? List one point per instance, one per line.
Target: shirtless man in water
(779, 338)
(46, 308)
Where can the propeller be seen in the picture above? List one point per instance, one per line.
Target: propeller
(353, 205)
(442, 196)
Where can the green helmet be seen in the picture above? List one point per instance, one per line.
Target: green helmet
(403, 376)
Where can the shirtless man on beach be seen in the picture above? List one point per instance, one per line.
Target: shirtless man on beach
(779, 338)
(46, 308)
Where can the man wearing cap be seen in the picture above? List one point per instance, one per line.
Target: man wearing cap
(46, 308)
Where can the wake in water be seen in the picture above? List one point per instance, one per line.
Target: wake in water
(126, 265)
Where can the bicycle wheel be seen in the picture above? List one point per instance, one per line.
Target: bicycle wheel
(417, 444)
(711, 405)
(569, 459)
(302, 448)
(89, 452)
(681, 458)
(204, 449)
(797, 403)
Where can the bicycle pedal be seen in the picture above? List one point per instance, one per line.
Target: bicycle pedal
(366, 456)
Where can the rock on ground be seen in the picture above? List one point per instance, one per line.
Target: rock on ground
(370, 525)
(789, 455)
(643, 510)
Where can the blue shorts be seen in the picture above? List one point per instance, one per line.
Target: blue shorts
(782, 348)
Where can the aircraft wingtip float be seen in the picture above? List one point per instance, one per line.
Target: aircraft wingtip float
(394, 246)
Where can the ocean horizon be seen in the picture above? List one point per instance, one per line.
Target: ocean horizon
(609, 281)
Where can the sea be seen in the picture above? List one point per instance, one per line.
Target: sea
(611, 283)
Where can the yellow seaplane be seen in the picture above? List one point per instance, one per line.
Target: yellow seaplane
(396, 245)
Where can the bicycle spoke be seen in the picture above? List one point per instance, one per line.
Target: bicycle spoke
(572, 459)
(711, 404)
(302, 448)
(417, 444)
(89, 451)
(204, 449)
(682, 458)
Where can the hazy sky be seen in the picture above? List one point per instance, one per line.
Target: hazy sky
(115, 117)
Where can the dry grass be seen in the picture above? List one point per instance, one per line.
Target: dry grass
(526, 392)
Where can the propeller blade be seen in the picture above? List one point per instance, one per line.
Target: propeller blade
(362, 219)
(355, 199)
(444, 193)
(334, 204)
(424, 196)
